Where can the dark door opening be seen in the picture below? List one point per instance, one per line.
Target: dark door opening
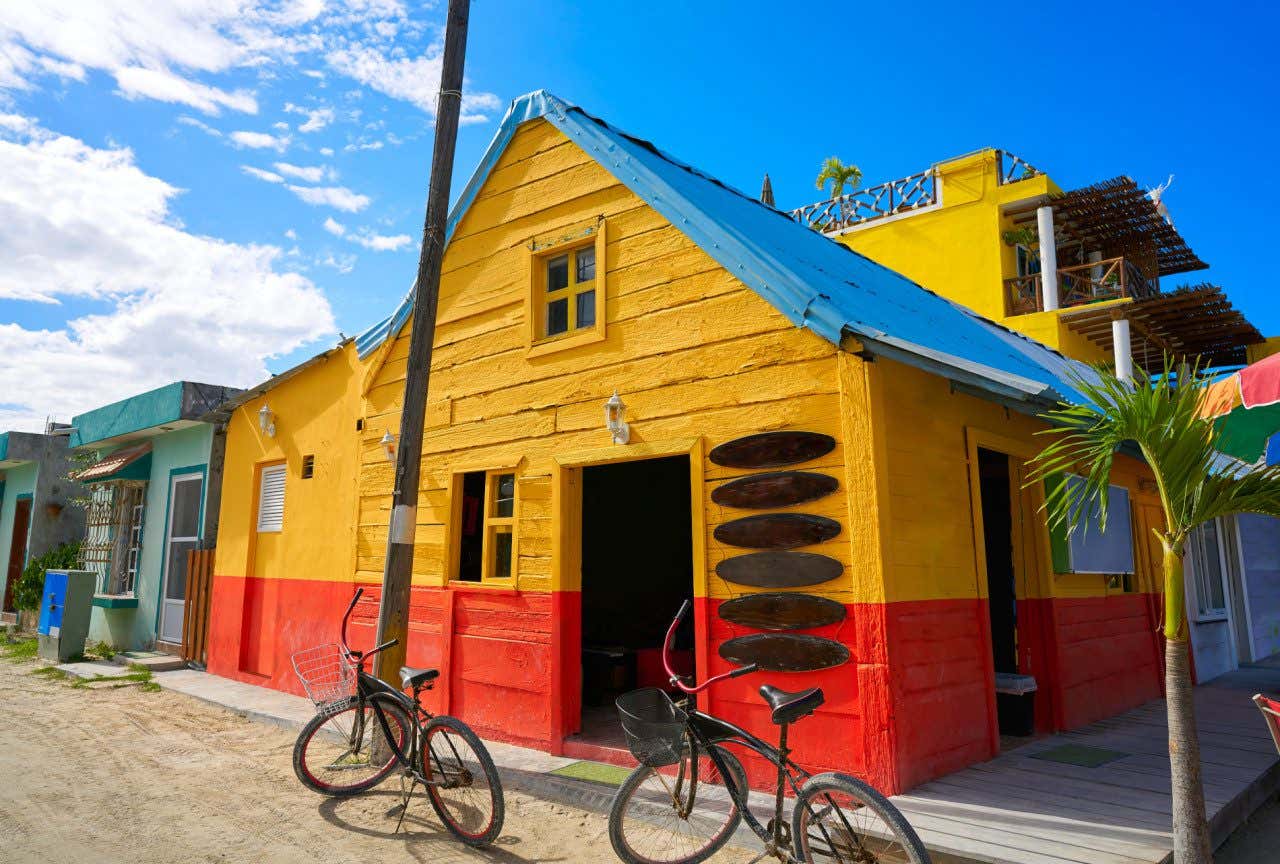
(637, 569)
(1013, 711)
(17, 550)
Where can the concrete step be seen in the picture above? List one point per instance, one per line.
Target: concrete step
(156, 661)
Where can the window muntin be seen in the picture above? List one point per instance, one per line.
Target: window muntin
(112, 546)
(485, 526)
(271, 499)
(570, 300)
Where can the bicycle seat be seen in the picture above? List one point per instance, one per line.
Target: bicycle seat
(790, 707)
(415, 678)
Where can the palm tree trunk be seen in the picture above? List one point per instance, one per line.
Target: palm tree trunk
(1191, 843)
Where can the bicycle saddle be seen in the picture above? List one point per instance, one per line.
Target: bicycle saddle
(415, 678)
(790, 707)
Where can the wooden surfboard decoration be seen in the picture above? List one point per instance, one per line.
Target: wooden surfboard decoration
(772, 449)
(777, 530)
(779, 569)
(785, 652)
(774, 489)
(782, 611)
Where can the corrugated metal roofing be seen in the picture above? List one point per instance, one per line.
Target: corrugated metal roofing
(816, 282)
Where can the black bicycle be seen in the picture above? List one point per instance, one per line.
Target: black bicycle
(690, 793)
(365, 728)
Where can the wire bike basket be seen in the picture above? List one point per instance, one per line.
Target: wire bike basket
(654, 726)
(328, 676)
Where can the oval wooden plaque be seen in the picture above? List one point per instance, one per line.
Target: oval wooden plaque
(779, 569)
(779, 611)
(785, 652)
(777, 530)
(774, 489)
(772, 449)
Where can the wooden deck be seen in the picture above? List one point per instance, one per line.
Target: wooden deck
(1018, 808)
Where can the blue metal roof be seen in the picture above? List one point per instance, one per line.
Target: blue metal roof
(813, 280)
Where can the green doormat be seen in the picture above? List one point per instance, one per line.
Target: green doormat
(1078, 754)
(595, 772)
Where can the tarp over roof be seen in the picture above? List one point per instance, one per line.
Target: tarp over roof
(816, 282)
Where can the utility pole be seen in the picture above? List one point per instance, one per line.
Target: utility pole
(393, 613)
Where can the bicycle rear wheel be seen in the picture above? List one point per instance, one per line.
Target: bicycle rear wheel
(345, 752)
(681, 814)
(464, 788)
(838, 819)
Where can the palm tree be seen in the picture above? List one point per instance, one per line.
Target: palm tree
(1196, 484)
(839, 174)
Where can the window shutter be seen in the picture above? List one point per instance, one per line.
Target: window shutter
(1058, 542)
(271, 499)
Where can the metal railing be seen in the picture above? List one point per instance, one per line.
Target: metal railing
(1079, 285)
(1011, 168)
(874, 202)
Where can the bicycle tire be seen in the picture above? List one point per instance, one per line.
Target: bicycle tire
(867, 799)
(312, 775)
(626, 795)
(472, 835)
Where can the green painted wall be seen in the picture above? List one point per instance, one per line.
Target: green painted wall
(17, 481)
(136, 628)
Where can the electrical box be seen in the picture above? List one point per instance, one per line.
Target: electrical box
(64, 613)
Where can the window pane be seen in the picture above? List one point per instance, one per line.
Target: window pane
(558, 273)
(186, 508)
(470, 531)
(558, 316)
(504, 497)
(586, 309)
(176, 577)
(501, 553)
(1211, 598)
(586, 261)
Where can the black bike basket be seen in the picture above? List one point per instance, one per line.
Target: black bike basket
(654, 726)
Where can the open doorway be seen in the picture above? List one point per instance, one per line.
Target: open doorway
(637, 569)
(1013, 708)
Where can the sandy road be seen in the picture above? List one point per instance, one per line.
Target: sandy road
(121, 775)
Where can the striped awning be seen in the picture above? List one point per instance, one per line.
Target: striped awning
(116, 462)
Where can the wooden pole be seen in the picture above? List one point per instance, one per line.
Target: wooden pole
(393, 613)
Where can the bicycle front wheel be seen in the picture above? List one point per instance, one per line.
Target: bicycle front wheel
(838, 819)
(345, 751)
(463, 783)
(681, 814)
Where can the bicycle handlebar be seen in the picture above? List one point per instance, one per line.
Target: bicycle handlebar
(346, 618)
(677, 680)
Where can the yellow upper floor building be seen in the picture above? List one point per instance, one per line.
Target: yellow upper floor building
(1086, 271)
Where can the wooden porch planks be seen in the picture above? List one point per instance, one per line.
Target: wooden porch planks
(1016, 808)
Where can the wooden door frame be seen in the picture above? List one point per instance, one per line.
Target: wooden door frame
(10, 585)
(566, 565)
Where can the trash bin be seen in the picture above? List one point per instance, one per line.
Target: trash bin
(64, 613)
(1015, 704)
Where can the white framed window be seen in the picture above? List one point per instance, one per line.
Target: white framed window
(271, 498)
(1205, 554)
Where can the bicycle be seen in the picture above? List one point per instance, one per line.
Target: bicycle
(364, 728)
(690, 793)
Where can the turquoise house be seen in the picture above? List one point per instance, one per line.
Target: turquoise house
(152, 467)
(36, 510)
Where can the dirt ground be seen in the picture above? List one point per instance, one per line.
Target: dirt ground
(123, 775)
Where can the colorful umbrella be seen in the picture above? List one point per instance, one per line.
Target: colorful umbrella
(1245, 406)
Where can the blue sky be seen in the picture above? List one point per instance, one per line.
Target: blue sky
(215, 192)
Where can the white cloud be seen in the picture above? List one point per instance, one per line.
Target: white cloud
(291, 234)
(317, 118)
(362, 144)
(380, 242)
(82, 222)
(308, 174)
(261, 141)
(268, 176)
(341, 263)
(413, 79)
(137, 82)
(326, 151)
(337, 197)
(334, 227)
(199, 124)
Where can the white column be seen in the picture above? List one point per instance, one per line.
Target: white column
(1048, 259)
(1122, 348)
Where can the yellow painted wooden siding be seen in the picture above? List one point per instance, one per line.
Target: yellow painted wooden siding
(692, 351)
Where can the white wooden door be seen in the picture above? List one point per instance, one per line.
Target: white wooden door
(181, 536)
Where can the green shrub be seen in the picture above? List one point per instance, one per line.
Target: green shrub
(30, 585)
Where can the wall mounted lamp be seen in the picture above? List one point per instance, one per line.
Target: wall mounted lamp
(388, 442)
(267, 421)
(614, 410)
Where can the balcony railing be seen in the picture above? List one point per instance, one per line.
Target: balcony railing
(1109, 279)
(874, 202)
